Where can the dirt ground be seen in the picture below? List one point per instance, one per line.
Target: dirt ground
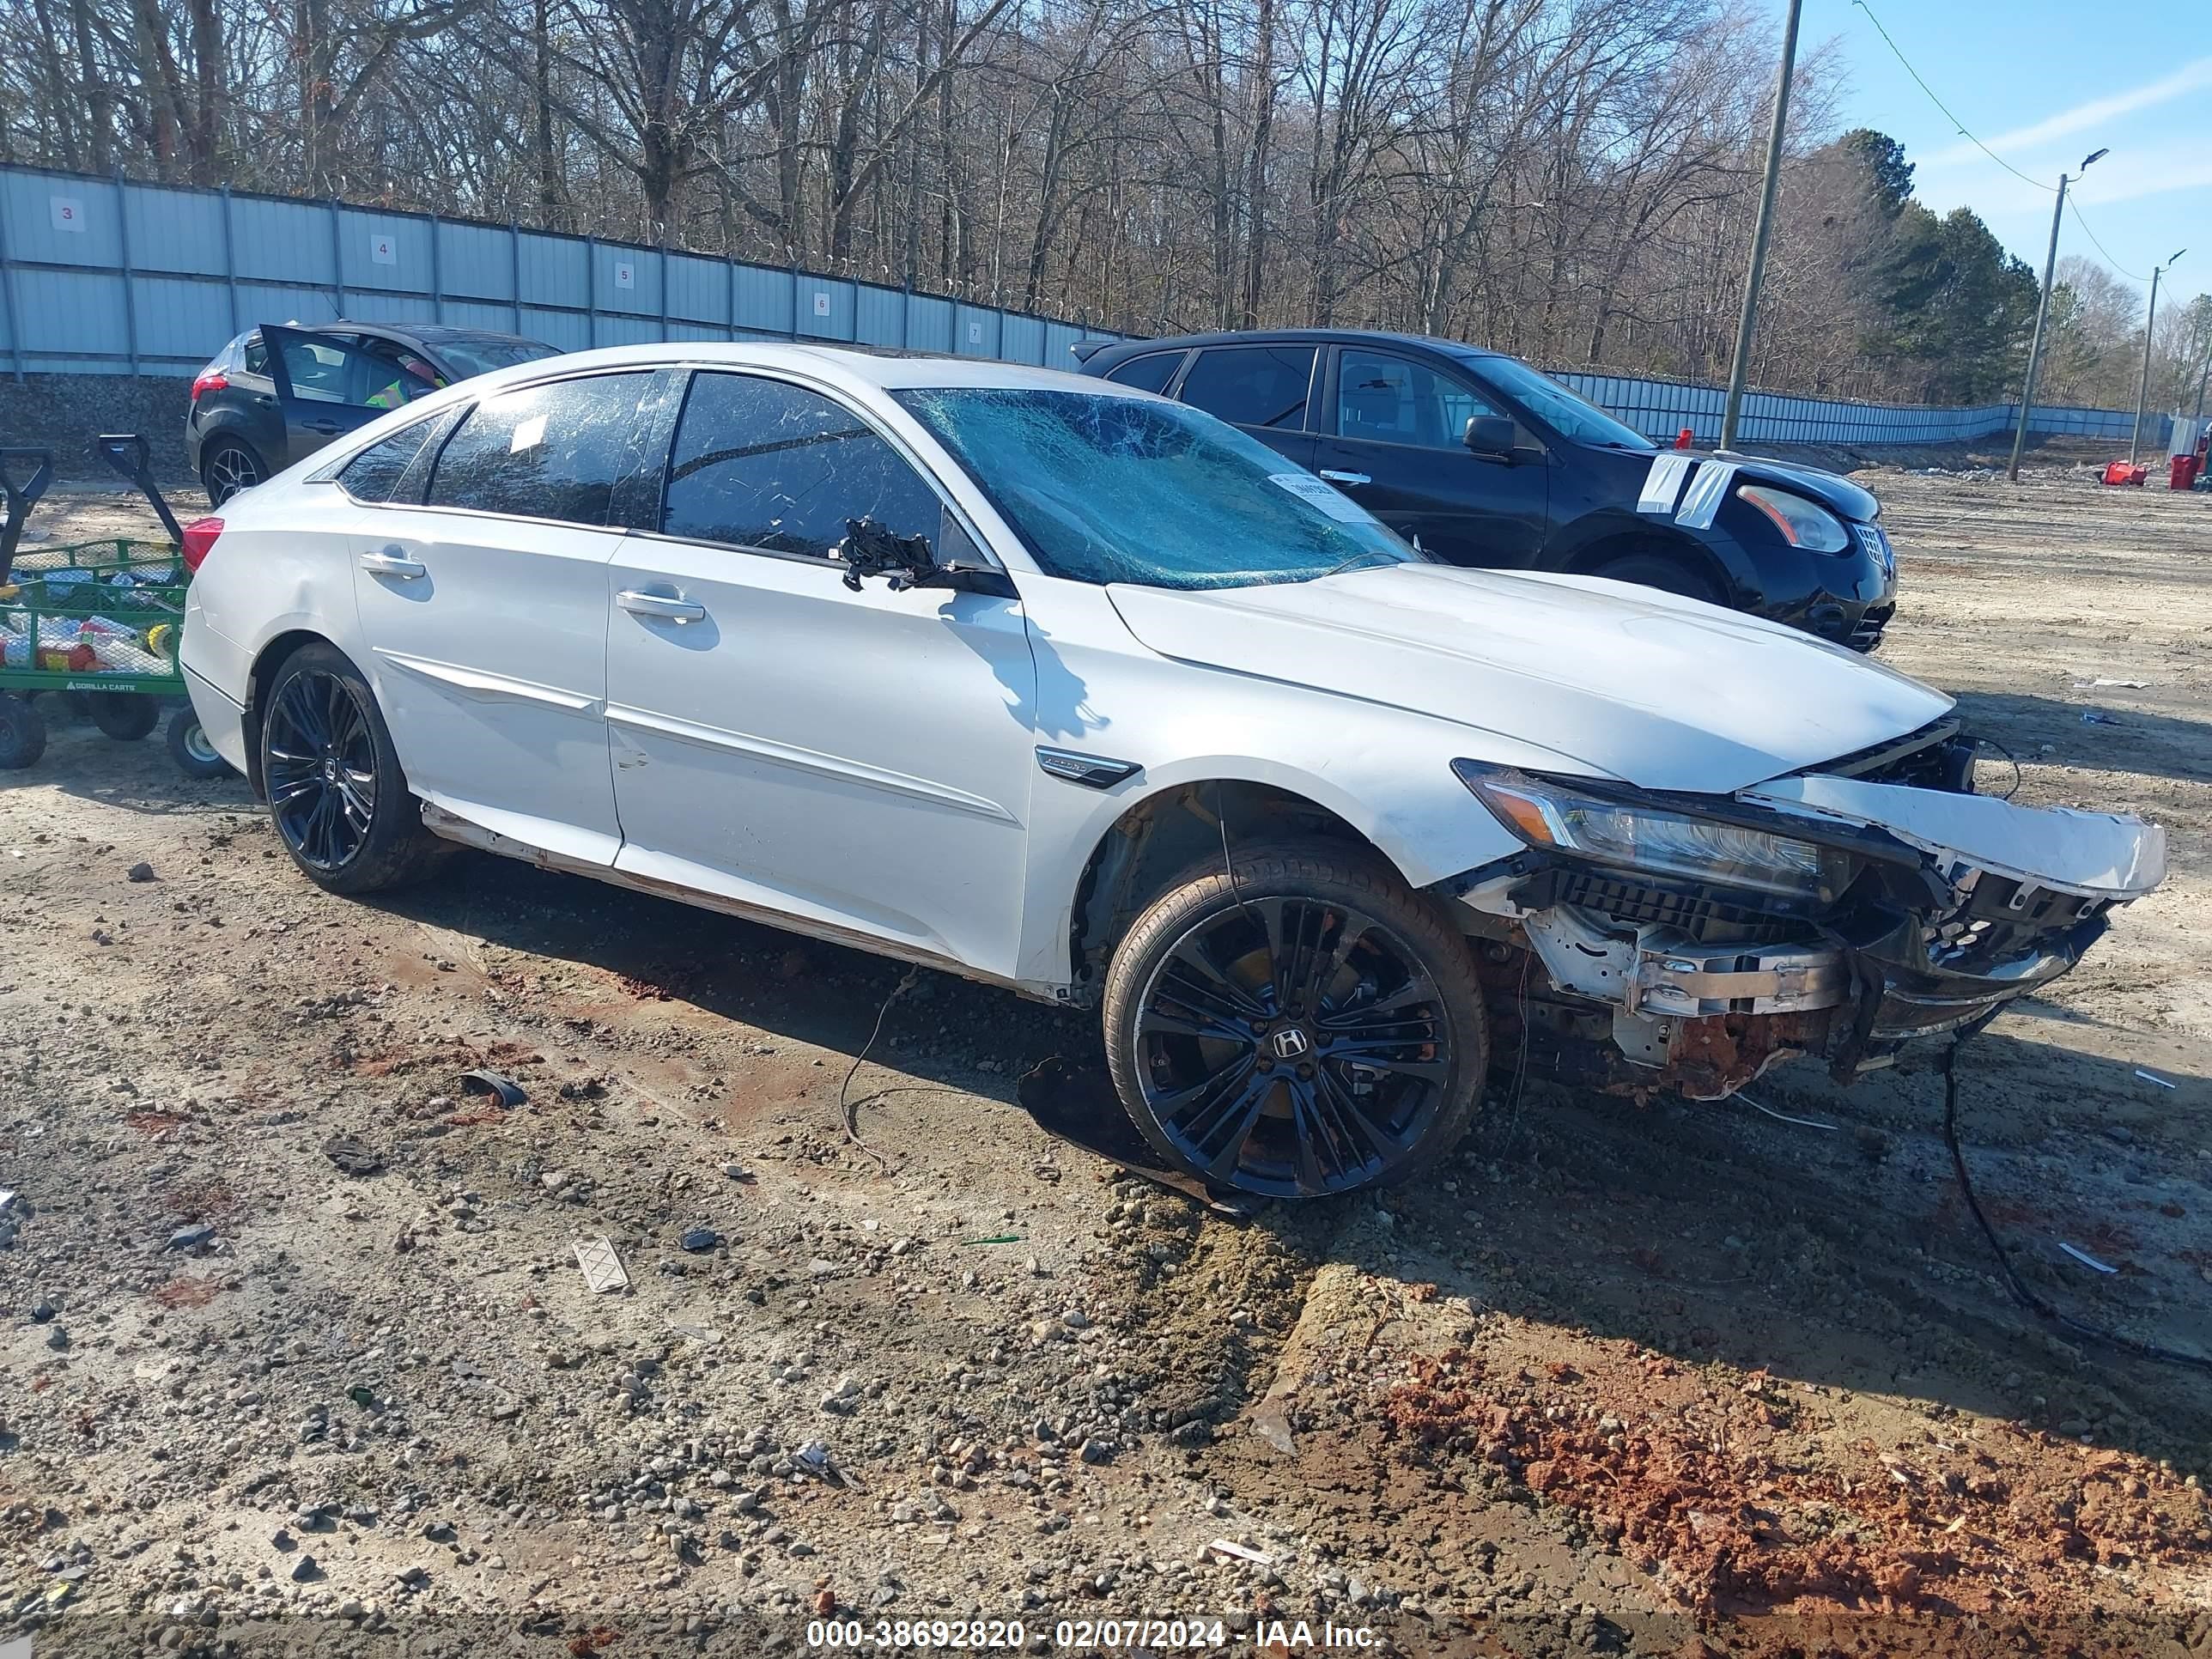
(1684, 1380)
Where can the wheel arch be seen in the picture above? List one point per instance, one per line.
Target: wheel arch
(1620, 543)
(1165, 832)
(260, 677)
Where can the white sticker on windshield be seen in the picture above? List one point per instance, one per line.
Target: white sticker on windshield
(1312, 491)
(528, 435)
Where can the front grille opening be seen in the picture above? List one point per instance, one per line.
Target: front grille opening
(1708, 921)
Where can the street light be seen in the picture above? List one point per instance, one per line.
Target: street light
(2142, 390)
(2042, 309)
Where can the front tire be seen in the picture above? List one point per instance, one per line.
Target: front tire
(337, 795)
(196, 757)
(1310, 1028)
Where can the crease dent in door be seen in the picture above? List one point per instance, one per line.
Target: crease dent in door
(479, 686)
(805, 760)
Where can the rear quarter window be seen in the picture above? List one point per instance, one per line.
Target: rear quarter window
(372, 476)
(1150, 373)
(555, 450)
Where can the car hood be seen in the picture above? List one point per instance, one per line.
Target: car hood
(1838, 493)
(1662, 692)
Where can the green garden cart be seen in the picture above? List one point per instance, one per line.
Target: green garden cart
(100, 619)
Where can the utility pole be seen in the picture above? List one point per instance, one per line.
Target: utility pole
(2206, 376)
(1740, 369)
(2150, 325)
(2042, 310)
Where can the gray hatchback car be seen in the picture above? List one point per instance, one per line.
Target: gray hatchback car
(275, 394)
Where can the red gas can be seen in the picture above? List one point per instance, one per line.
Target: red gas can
(2182, 475)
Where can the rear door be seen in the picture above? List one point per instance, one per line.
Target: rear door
(483, 600)
(1394, 439)
(325, 387)
(1265, 390)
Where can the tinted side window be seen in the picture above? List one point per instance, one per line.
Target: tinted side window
(1252, 386)
(1396, 400)
(545, 452)
(257, 355)
(1150, 373)
(762, 463)
(373, 474)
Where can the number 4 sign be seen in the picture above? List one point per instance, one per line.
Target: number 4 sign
(380, 250)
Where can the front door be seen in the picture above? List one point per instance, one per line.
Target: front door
(326, 388)
(1395, 444)
(484, 604)
(859, 760)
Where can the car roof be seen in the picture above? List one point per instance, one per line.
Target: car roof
(424, 334)
(888, 370)
(1126, 349)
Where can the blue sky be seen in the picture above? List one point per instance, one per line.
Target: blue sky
(2043, 84)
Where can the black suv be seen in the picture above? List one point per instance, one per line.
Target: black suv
(1488, 462)
(236, 432)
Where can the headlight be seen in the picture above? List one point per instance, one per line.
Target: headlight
(1548, 814)
(1802, 523)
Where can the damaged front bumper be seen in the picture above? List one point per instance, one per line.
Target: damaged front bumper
(1961, 903)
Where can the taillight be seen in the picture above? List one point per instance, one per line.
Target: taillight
(199, 541)
(214, 380)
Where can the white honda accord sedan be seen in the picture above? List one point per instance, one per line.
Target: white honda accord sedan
(1082, 692)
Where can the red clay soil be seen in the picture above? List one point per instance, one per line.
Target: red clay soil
(1737, 1505)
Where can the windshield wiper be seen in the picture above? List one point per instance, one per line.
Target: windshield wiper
(1346, 564)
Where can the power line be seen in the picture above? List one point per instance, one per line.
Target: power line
(2099, 246)
(1946, 109)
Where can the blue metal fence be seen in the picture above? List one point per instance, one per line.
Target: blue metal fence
(111, 276)
(1660, 409)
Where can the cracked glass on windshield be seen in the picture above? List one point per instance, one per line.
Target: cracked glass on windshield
(1106, 489)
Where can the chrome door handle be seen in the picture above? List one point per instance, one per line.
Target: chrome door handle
(391, 562)
(1345, 477)
(660, 607)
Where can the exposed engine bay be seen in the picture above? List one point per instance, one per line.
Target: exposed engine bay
(1873, 900)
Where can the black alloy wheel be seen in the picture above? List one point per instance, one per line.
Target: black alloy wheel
(1296, 1043)
(319, 769)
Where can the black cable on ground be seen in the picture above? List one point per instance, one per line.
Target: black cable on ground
(1981, 742)
(2035, 1304)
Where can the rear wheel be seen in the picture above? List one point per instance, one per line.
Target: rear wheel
(23, 733)
(231, 466)
(1662, 571)
(340, 802)
(1312, 1028)
(126, 716)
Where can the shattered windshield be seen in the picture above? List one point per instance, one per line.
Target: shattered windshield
(1107, 489)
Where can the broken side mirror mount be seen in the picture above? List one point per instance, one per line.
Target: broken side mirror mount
(871, 548)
